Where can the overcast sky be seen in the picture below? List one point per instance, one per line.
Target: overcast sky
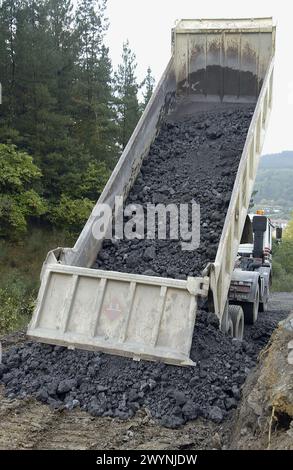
(147, 24)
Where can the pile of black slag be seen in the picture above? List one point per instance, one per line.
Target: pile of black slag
(114, 386)
(193, 159)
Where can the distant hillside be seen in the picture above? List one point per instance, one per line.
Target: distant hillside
(277, 160)
(274, 184)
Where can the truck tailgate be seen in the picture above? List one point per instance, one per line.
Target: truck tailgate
(138, 316)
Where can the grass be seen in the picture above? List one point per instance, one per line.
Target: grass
(20, 266)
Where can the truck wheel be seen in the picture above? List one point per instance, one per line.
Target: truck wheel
(250, 309)
(237, 317)
(263, 306)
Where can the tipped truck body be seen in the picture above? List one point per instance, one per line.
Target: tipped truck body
(153, 317)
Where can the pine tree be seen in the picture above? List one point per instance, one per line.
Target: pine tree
(64, 50)
(126, 85)
(8, 24)
(34, 77)
(148, 83)
(93, 94)
(103, 144)
(91, 27)
(58, 101)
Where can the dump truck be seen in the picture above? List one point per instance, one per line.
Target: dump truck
(213, 61)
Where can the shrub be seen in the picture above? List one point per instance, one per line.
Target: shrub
(15, 310)
(71, 214)
(18, 200)
(283, 266)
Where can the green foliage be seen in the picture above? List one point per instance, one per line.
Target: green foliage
(283, 266)
(275, 185)
(128, 110)
(70, 213)
(288, 233)
(79, 197)
(18, 201)
(93, 181)
(16, 302)
(93, 96)
(148, 83)
(64, 169)
(63, 106)
(8, 311)
(20, 265)
(31, 204)
(12, 220)
(17, 170)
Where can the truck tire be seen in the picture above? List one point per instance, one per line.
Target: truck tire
(263, 306)
(250, 309)
(227, 326)
(237, 316)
